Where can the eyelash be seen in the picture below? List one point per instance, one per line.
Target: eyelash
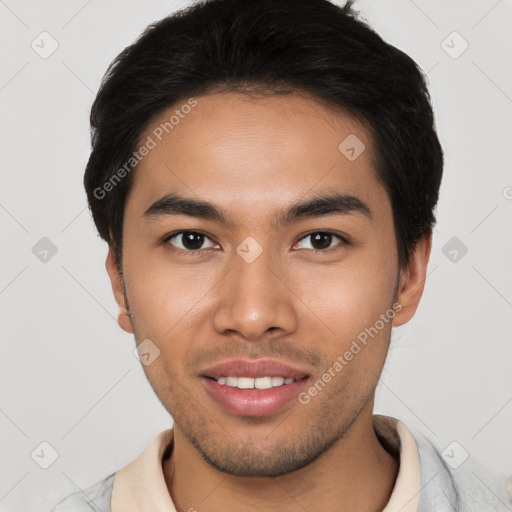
(165, 241)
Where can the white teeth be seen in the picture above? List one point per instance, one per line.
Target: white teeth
(245, 383)
(277, 381)
(263, 383)
(232, 381)
(257, 383)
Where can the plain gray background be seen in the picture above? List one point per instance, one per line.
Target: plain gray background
(68, 374)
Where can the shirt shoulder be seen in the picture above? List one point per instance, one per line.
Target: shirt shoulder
(94, 498)
(457, 481)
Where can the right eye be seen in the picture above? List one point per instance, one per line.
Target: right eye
(187, 241)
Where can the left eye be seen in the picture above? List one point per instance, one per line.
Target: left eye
(321, 240)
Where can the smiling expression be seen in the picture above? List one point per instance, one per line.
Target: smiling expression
(249, 235)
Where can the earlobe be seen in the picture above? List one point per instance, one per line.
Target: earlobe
(412, 281)
(116, 280)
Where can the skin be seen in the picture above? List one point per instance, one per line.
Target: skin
(252, 157)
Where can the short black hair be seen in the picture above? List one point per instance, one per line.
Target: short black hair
(278, 46)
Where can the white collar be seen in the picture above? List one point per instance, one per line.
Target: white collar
(140, 486)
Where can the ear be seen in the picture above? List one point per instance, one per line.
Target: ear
(412, 281)
(116, 280)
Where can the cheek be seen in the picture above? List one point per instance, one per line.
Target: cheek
(356, 338)
(349, 297)
(163, 295)
(348, 301)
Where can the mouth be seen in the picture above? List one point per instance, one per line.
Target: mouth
(266, 382)
(254, 388)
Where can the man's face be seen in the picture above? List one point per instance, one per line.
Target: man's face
(207, 300)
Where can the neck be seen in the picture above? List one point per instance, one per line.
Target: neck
(355, 473)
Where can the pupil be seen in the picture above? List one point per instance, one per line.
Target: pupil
(193, 241)
(321, 240)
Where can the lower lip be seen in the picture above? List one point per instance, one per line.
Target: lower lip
(253, 402)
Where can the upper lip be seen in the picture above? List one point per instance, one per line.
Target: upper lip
(254, 368)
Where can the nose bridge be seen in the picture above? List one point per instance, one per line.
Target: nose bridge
(256, 273)
(253, 299)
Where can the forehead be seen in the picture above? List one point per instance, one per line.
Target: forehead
(255, 152)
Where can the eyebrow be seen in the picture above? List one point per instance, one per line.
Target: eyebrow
(318, 206)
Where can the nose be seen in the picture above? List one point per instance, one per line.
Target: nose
(254, 298)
